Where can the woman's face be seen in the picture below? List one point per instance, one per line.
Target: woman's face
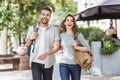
(69, 22)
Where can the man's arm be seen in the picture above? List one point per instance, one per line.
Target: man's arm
(56, 47)
(33, 36)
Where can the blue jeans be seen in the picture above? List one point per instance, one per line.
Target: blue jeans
(67, 70)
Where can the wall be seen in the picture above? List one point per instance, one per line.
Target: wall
(110, 64)
(105, 65)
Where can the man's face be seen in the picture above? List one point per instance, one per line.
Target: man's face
(45, 16)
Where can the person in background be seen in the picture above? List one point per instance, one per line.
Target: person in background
(114, 38)
(70, 39)
(46, 43)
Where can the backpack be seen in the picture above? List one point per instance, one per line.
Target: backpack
(32, 43)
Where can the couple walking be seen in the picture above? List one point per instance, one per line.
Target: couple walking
(48, 40)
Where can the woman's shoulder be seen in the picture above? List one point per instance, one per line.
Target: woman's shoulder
(63, 33)
(80, 34)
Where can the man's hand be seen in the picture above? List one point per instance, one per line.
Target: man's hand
(43, 56)
(56, 47)
(34, 35)
(28, 42)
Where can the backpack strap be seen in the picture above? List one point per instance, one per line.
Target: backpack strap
(29, 49)
(35, 28)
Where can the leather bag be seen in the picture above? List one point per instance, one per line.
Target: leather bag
(84, 59)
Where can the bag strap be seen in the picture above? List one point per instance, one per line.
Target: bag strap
(35, 28)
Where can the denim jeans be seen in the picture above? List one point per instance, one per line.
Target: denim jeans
(41, 73)
(67, 70)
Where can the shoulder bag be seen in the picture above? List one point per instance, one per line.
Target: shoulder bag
(84, 59)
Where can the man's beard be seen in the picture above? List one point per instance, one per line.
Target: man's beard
(44, 21)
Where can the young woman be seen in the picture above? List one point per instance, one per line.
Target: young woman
(70, 39)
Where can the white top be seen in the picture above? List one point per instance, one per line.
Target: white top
(41, 48)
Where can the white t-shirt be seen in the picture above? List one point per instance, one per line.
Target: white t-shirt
(41, 46)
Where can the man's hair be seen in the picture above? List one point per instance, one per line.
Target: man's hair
(114, 36)
(46, 8)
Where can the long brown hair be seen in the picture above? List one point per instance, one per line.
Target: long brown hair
(74, 28)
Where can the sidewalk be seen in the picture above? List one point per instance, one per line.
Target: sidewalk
(26, 75)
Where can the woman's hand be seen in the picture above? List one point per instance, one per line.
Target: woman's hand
(74, 43)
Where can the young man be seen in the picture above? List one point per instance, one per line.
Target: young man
(46, 43)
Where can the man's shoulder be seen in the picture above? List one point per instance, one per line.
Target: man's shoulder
(52, 26)
(80, 34)
(31, 27)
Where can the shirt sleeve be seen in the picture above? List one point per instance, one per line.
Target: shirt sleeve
(57, 35)
(29, 32)
(83, 41)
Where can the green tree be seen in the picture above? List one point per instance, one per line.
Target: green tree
(17, 15)
(28, 12)
(64, 7)
(7, 12)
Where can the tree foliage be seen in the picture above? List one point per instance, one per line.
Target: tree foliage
(29, 12)
(64, 7)
(109, 48)
(20, 14)
(8, 15)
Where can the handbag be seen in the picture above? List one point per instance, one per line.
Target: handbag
(84, 59)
